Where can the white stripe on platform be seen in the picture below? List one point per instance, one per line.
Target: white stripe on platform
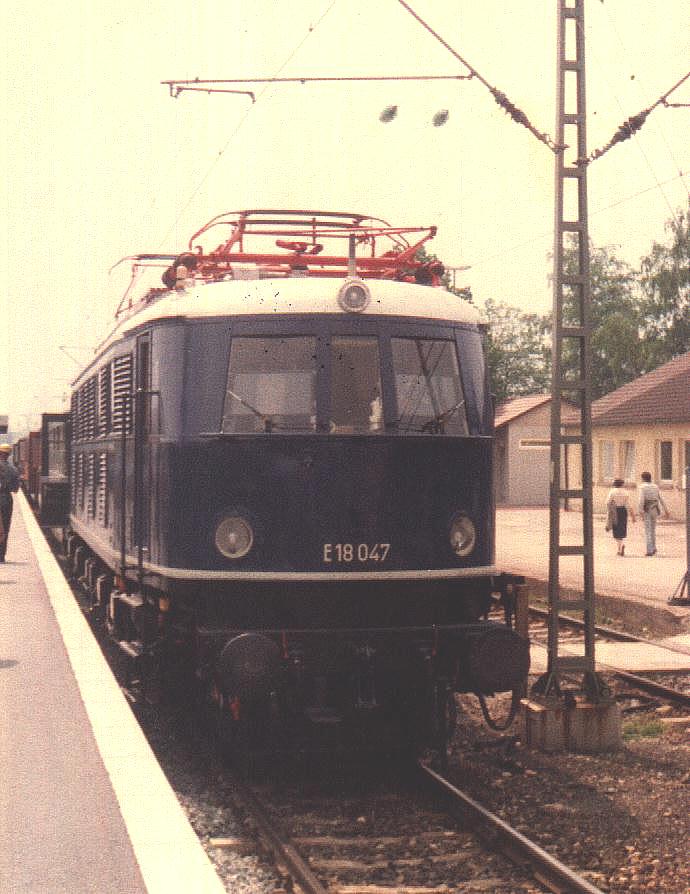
(170, 856)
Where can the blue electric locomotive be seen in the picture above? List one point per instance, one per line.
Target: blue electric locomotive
(281, 479)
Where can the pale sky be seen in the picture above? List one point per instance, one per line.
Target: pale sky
(100, 162)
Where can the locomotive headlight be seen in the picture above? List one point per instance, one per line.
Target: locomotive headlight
(234, 537)
(354, 295)
(463, 535)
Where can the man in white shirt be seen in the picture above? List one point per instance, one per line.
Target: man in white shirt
(650, 504)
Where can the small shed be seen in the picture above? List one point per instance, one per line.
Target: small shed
(522, 450)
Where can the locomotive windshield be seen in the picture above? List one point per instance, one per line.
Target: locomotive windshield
(271, 384)
(341, 383)
(355, 385)
(427, 386)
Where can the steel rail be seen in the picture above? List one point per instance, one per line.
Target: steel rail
(666, 692)
(643, 683)
(619, 635)
(557, 877)
(279, 844)
(496, 833)
(610, 633)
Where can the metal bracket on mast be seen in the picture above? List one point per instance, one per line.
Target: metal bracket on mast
(571, 365)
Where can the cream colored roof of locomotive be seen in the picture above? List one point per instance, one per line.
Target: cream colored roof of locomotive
(299, 295)
(302, 295)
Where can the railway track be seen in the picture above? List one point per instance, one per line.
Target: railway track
(390, 842)
(381, 842)
(679, 698)
(360, 849)
(377, 842)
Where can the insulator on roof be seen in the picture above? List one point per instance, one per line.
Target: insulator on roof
(388, 114)
(188, 259)
(181, 274)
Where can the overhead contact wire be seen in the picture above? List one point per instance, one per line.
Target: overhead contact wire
(670, 105)
(503, 101)
(638, 143)
(517, 246)
(242, 121)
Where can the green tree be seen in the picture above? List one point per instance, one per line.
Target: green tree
(639, 320)
(519, 344)
(518, 351)
(665, 279)
(617, 346)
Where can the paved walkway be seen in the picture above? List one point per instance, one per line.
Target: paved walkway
(84, 805)
(61, 830)
(522, 546)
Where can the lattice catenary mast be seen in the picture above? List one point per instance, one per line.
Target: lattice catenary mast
(571, 360)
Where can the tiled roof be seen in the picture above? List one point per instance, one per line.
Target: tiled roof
(510, 409)
(662, 395)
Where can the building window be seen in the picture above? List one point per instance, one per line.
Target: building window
(628, 460)
(534, 443)
(666, 460)
(56, 449)
(686, 463)
(607, 463)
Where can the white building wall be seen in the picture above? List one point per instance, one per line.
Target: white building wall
(609, 447)
(528, 458)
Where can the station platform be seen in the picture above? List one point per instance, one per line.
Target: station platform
(631, 657)
(522, 545)
(84, 805)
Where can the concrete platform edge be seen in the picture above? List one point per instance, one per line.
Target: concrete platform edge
(168, 852)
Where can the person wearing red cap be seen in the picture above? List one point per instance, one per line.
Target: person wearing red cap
(9, 484)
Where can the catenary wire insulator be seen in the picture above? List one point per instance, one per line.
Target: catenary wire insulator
(635, 122)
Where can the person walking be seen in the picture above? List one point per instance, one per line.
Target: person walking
(619, 508)
(9, 484)
(650, 504)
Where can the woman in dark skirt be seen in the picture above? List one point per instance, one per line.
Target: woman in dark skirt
(618, 508)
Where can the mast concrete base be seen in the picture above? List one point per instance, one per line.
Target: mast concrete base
(580, 726)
